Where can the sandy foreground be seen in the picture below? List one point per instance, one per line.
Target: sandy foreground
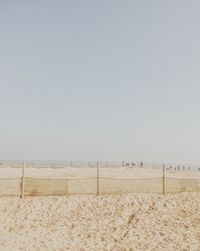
(114, 222)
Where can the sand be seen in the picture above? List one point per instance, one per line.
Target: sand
(83, 172)
(142, 221)
(120, 222)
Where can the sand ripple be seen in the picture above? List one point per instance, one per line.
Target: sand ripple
(121, 222)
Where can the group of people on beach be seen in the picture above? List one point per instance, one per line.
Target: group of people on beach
(132, 164)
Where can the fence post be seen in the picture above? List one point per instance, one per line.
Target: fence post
(22, 181)
(164, 180)
(98, 179)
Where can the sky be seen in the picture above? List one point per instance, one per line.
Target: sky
(100, 80)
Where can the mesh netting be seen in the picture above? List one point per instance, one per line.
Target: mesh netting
(182, 185)
(116, 186)
(35, 186)
(10, 187)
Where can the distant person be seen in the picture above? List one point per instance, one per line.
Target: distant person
(132, 163)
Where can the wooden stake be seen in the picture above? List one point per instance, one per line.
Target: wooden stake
(22, 181)
(164, 180)
(98, 179)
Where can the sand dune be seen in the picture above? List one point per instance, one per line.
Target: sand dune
(121, 222)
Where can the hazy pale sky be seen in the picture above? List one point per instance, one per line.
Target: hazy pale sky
(108, 80)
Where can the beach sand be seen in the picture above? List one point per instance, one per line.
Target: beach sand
(142, 221)
(113, 222)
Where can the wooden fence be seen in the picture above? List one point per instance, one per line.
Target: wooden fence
(99, 184)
